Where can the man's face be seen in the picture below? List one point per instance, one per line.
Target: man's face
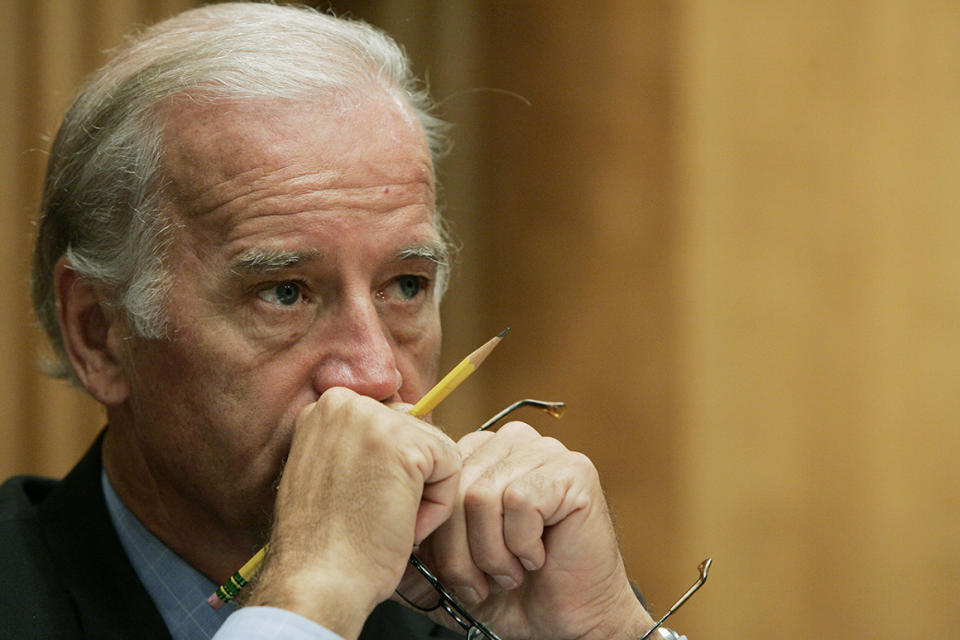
(306, 257)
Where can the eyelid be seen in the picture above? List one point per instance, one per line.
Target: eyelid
(425, 283)
(424, 279)
(303, 291)
(425, 269)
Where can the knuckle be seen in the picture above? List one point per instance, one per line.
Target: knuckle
(491, 564)
(517, 429)
(551, 444)
(480, 494)
(581, 460)
(475, 439)
(306, 411)
(333, 399)
(584, 465)
(520, 496)
(454, 569)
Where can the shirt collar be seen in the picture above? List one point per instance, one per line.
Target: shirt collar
(178, 590)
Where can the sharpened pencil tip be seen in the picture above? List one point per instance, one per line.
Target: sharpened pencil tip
(504, 332)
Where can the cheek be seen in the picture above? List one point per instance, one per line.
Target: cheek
(200, 373)
(176, 378)
(218, 408)
(422, 356)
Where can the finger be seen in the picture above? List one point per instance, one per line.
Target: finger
(402, 407)
(543, 497)
(449, 551)
(438, 499)
(516, 451)
(473, 441)
(482, 450)
(483, 509)
(523, 526)
(440, 471)
(451, 545)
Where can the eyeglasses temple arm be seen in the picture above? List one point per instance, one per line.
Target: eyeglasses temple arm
(703, 569)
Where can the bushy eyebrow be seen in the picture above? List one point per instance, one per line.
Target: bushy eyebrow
(258, 260)
(435, 252)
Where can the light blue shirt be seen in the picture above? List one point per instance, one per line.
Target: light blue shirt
(180, 592)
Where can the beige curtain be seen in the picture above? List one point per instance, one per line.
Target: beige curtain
(46, 48)
(726, 234)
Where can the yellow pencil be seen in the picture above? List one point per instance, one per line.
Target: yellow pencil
(229, 589)
(452, 380)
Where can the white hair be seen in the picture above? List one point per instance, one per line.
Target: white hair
(102, 195)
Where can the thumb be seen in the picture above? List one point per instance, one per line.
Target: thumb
(440, 490)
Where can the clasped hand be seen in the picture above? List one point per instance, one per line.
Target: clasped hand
(514, 523)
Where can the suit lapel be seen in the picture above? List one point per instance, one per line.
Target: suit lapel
(111, 602)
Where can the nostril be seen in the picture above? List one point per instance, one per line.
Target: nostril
(395, 385)
(375, 375)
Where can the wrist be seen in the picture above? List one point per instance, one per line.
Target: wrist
(320, 594)
(629, 622)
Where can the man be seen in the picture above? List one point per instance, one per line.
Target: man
(239, 256)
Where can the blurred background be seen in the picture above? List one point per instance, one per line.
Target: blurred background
(726, 234)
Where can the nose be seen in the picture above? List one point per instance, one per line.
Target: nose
(358, 353)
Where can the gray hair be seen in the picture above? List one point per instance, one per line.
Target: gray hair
(101, 203)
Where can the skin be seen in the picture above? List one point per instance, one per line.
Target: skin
(303, 319)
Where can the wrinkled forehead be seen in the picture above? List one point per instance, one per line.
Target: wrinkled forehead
(211, 149)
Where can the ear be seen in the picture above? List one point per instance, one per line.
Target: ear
(93, 335)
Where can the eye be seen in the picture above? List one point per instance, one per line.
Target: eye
(284, 294)
(409, 286)
(403, 289)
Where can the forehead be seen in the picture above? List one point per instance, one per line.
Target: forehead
(269, 151)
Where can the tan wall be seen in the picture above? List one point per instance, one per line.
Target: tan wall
(727, 236)
(819, 155)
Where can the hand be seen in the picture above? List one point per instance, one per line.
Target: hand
(530, 548)
(362, 484)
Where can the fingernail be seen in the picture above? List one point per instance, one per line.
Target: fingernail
(467, 595)
(529, 565)
(507, 582)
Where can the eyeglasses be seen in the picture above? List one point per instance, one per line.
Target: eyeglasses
(702, 569)
(474, 628)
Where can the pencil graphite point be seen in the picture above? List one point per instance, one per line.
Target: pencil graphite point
(478, 356)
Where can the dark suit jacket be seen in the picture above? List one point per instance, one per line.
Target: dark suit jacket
(64, 575)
